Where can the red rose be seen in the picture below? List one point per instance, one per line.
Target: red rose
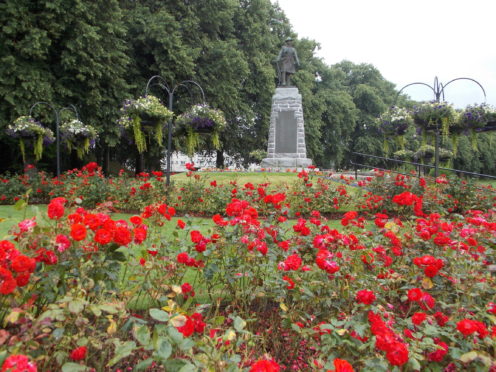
(196, 236)
(139, 235)
(291, 283)
(418, 318)
(188, 328)
(365, 297)
(293, 262)
(78, 353)
(18, 363)
(122, 236)
(181, 224)
(265, 366)
(136, 220)
(415, 294)
(78, 232)
(103, 236)
(55, 210)
(183, 257)
(199, 323)
(22, 263)
(397, 354)
(441, 319)
(22, 279)
(438, 355)
(62, 242)
(466, 327)
(186, 287)
(341, 365)
(427, 302)
(7, 285)
(90, 167)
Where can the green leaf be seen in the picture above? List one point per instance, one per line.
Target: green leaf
(239, 324)
(295, 328)
(20, 204)
(95, 310)
(473, 355)
(143, 364)
(121, 351)
(188, 368)
(186, 344)
(74, 367)
(3, 356)
(163, 348)
(76, 306)
(159, 315)
(109, 309)
(175, 365)
(414, 364)
(218, 320)
(175, 335)
(142, 334)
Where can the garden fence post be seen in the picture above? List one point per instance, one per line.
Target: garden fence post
(169, 139)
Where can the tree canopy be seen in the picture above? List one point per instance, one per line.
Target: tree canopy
(96, 54)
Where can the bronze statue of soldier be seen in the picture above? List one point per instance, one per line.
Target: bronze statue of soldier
(287, 60)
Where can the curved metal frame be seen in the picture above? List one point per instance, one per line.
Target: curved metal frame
(438, 90)
(72, 108)
(57, 124)
(163, 84)
(57, 129)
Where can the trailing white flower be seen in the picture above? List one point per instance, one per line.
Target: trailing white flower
(30, 132)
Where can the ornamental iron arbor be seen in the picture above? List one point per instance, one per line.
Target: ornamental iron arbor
(161, 82)
(438, 90)
(57, 113)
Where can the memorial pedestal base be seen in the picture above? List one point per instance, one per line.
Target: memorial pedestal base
(285, 163)
(286, 146)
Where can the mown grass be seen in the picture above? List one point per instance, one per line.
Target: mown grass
(242, 178)
(10, 216)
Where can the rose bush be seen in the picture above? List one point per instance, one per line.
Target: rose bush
(404, 282)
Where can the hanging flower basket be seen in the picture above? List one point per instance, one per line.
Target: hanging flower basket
(403, 155)
(146, 118)
(491, 118)
(78, 136)
(395, 121)
(199, 120)
(427, 152)
(473, 117)
(30, 134)
(432, 115)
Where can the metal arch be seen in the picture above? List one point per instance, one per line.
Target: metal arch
(71, 107)
(183, 83)
(57, 129)
(406, 86)
(162, 84)
(466, 78)
(42, 103)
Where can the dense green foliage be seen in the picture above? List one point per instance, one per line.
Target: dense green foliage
(96, 54)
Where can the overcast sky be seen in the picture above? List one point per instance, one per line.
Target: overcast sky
(408, 41)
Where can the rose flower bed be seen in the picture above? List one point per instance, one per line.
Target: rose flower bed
(405, 283)
(197, 194)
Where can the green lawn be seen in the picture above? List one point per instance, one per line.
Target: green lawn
(242, 178)
(10, 216)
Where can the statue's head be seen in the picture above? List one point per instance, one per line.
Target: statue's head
(289, 40)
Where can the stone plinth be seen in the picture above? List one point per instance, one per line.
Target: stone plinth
(286, 147)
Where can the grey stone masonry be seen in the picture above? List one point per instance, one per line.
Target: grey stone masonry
(286, 147)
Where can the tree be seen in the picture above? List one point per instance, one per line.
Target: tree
(65, 52)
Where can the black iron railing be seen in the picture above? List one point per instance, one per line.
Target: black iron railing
(419, 166)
